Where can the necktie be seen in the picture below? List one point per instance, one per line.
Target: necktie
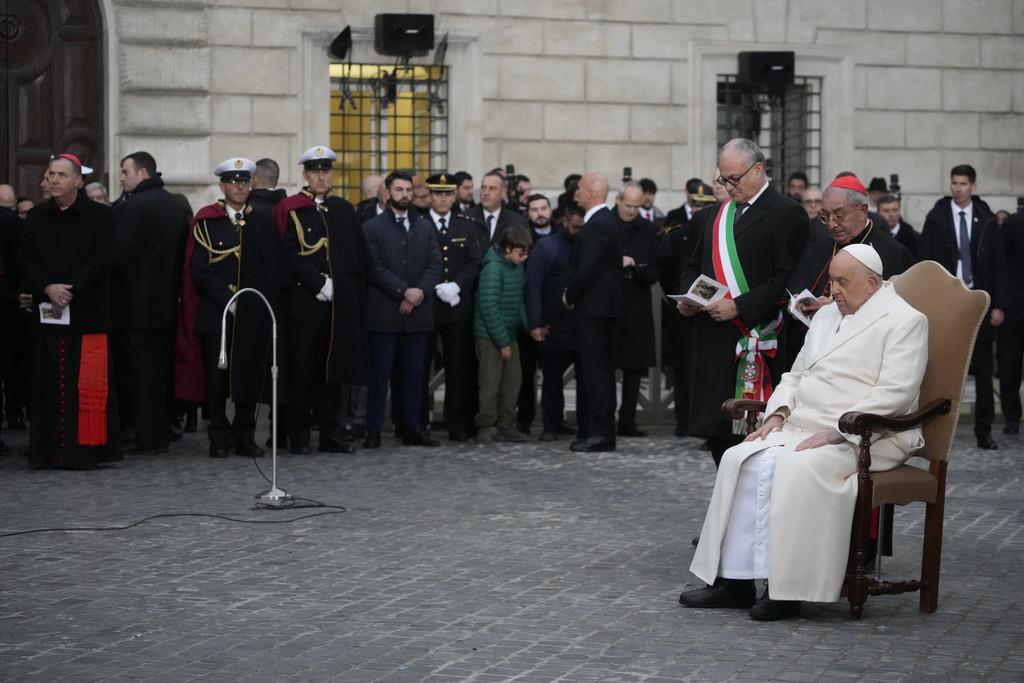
(965, 251)
(401, 222)
(741, 208)
(444, 228)
(490, 225)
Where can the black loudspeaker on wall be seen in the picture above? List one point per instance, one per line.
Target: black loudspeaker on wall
(766, 68)
(402, 35)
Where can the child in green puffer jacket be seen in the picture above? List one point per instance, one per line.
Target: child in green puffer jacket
(500, 313)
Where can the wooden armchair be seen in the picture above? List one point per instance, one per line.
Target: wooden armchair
(954, 315)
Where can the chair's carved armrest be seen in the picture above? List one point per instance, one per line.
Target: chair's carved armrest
(864, 423)
(737, 408)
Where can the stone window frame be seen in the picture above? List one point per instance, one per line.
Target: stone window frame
(835, 67)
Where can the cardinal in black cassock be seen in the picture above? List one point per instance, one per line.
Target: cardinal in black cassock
(845, 216)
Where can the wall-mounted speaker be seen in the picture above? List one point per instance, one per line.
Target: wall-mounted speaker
(401, 35)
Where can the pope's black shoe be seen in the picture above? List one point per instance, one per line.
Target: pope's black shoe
(723, 593)
(767, 609)
(372, 440)
(595, 444)
(419, 439)
(335, 446)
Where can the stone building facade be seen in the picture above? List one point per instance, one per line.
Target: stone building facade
(555, 86)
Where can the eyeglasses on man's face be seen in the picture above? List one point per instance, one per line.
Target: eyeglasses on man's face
(733, 181)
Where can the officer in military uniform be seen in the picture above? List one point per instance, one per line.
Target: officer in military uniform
(327, 260)
(231, 247)
(459, 240)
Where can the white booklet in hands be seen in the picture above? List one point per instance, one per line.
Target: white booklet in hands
(703, 292)
(795, 300)
(48, 316)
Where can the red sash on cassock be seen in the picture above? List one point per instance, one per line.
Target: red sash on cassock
(92, 391)
(286, 206)
(189, 373)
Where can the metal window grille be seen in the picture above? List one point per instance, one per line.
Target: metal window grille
(387, 117)
(785, 122)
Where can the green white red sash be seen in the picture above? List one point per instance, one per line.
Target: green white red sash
(753, 381)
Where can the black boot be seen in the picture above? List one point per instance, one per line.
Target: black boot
(723, 593)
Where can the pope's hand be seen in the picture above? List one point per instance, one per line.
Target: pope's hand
(825, 437)
(772, 424)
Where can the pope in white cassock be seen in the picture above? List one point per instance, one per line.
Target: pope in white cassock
(783, 502)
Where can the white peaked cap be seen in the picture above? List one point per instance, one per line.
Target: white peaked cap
(867, 255)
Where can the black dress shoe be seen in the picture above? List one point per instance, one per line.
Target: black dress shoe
(249, 450)
(566, 429)
(548, 436)
(458, 437)
(218, 451)
(419, 439)
(1012, 428)
(705, 446)
(336, 446)
(723, 593)
(372, 440)
(695, 542)
(987, 443)
(631, 430)
(767, 609)
(594, 444)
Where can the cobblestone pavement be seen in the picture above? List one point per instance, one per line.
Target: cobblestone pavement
(476, 563)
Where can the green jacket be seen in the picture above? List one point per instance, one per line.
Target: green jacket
(500, 306)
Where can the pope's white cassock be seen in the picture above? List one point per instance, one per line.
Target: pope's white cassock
(785, 515)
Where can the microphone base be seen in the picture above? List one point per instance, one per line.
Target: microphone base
(274, 498)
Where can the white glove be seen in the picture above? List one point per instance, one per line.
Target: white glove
(453, 289)
(326, 292)
(454, 301)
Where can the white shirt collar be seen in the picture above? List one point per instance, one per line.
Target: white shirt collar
(496, 213)
(758, 195)
(593, 210)
(380, 209)
(543, 231)
(895, 230)
(436, 217)
(968, 216)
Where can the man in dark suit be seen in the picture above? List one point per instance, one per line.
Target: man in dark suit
(490, 212)
(150, 227)
(766, 234)
(265, 193)
(463, 193)
(961, 233)
(1011, 332)
(459, 240)
(595, 294)
(405, 266)
(902, 231)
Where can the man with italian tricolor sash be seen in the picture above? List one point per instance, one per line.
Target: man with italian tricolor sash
(750, 244)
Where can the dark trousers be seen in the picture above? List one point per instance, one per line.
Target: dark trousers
(596, 339)
(680, 333)
(390, 350)
(719, 445)
(554, 363)
(458, 353)
(984, 398)
(15, 359)
(630, 396)
(526, 404)
(224, 432)
(142, 367)
(1011, 354)
(308, 343)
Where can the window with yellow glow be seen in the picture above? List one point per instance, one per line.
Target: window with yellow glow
(387, 117)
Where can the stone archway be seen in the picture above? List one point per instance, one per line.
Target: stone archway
(51, 87)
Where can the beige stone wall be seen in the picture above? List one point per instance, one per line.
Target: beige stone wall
(557, 86)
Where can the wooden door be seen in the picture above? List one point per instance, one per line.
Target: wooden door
(51, 88)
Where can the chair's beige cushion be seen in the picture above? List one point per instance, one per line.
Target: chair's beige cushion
(954, 314)
(903, 485)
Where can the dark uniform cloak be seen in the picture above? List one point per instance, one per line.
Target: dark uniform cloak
(637, 347)
(326, 240)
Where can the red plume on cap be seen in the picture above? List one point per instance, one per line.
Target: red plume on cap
(850, 182)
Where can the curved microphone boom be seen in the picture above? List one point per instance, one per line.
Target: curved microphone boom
(274, 497)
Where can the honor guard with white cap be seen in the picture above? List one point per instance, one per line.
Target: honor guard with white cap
(459, 240)
(230, 248)
(327, 261)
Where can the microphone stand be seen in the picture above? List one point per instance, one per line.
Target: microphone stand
(273, 497)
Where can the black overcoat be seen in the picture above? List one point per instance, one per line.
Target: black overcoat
(637, 348)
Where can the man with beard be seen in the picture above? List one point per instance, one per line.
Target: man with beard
(845, 214)
(405, 266)
(150, 226)
(551, 324)
(231, 247)
(463, 192)
(64, 261)
(636, 352)
(459, 240)
(328, 263)
(538, 213)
